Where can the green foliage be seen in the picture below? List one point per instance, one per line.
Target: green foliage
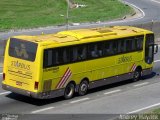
(156, 111)
(18, 14)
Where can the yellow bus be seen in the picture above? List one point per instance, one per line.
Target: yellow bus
(52, 65)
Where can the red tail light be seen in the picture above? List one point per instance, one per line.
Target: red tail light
(4, 76)
(36, 85)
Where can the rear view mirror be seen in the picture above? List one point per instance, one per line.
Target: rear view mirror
(155, 48)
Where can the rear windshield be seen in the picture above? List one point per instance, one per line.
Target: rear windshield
(22, 49)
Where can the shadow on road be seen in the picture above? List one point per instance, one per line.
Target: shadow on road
(153, 74)
(39, 102)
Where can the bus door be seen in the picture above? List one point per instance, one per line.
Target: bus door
(150, 49)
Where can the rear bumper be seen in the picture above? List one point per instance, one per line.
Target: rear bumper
(40, 95)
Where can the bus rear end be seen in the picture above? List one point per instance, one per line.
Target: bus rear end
(21, 67)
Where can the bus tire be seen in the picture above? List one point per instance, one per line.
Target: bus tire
(137, 75)
(83, 88)
(69, 91)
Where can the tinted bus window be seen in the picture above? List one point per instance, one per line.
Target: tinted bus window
(22, 49)
(78, 53)
(107, 48)
(121, 46)
(139, 43)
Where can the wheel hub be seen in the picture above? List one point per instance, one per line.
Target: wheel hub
(84, 87)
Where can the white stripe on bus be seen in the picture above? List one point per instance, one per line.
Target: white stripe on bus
(134, 67)
(67, 77)
(63, 77)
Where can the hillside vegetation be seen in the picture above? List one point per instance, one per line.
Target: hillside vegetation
(20, 14)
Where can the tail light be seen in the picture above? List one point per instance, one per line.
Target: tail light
(36, 85)
(4, 76)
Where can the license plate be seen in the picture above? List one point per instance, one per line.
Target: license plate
(18, 83)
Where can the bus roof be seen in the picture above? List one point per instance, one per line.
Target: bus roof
(85, 35)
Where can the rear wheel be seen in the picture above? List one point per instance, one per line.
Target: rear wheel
(137, 75)
(83, 88)
(69, 91)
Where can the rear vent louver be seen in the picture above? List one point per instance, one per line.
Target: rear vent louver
(47, 85)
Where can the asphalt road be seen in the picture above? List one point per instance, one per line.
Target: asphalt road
(122, 98)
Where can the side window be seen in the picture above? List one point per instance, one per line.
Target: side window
(134, 48)
(93, 50)
(66, 55)
(107, 48)
(100, 48)
(110, 48)
(115, 47)
(82, 52)
(74, 54)
(128, 45)
(149, 48)
(63, 55)
(139, 43)
(121, 46)
(48, 58)
(59, 56)
(78, 53)
(134, 44)
(53, 57)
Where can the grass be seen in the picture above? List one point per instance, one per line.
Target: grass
(156, 111)
(20, 14)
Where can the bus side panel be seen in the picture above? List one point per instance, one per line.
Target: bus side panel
(101, 68)
(60, 76)
(131, 61)
(114, 65)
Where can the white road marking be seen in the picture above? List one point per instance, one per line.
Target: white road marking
(157, 61)
(83, 99)
(1, 73)
(5, 93)
(41, 110)
(145, 108)
(143, 13)
(141, 84)
(156, 1)
(111, 92)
